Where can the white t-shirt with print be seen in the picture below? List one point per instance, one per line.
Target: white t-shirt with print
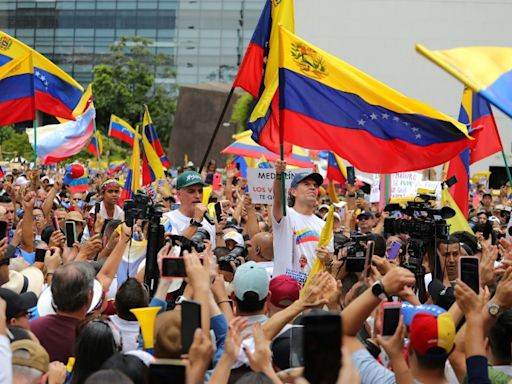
(180, 223)
(295, 242)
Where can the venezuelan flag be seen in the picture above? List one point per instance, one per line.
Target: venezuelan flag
(328, 104)
(17, 91)
(250, 74)
(264, 119)
(120, 129)
(152, 168)
(56, 93)
(96, 145)
(132, 182)
(336, 170)
(486, 70)
(457, 222)
(152, 136)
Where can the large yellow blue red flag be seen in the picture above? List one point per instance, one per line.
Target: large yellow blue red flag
(56, 93)
(152, 136)
(486, 70)
(328, 104)
(132, 182)
(476, 114)
(17, 91)
(264, 119)
(152, 168)
(96, 144)
(122, 130)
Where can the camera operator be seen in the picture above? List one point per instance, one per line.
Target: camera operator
(191, 214)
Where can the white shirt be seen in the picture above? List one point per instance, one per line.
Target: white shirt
(129, 332)
(118, 215)
(180, 223)
(295, 242)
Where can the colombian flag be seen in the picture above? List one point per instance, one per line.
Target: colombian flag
(486, 70)
(56, 93)
(328, 104)
(336, 170)
(121, 130)
(152, 136)
(17, 91)
(132, 182)
(264, 119)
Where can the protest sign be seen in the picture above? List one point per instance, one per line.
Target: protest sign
(260, 183)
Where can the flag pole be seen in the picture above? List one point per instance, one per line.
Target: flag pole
(506, 166)
(97, 144)
(34, 125)
(219, 122)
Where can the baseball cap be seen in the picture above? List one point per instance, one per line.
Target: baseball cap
(39, 358)
(235, 236)
(251, 277)
(365, 214)
(428, 331)
(442, 296)
(299, 177)
(284, 289)
(188, 178)
(17, 304)
(323, 206)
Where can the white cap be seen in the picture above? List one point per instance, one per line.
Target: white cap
(340, 205)
(335, 214)
(235, 236)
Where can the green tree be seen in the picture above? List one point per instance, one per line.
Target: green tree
(242, 110)
(126, 80)
(6, 133)
(19, 145)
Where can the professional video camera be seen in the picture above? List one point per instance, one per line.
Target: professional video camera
(196, 241)
(426, 223)
(356, 253)
(234, 256)
(140, 207)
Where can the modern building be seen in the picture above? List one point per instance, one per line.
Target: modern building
(205, 38)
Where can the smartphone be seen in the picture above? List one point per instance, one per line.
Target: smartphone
(370, 247)
(40, 254)
(163, 371)
(237, 166)
(55, 223)
(216, 181)
(70, 233)
(190, 321)
(351, 175)
(394, 250)
(322, 346)
(296, 333)
(218, 211)
(469, 271)
(389, 316)
(173, 267)
(96, 210)
(3, 229)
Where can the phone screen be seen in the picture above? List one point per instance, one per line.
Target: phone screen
(163, 373)
(469, 272)
(390, 318)
(190, 321)
(218, 211)
(173, 267)
(70, 233)
(322, 346)
(351, 176)
(370, 247)
(3, 229)
(394, 250)
(40, 254)
(55, 223)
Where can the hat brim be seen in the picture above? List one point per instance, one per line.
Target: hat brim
(45, 307)
(315, 176)
(202, 184)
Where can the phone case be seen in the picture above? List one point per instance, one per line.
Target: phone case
(384, 306)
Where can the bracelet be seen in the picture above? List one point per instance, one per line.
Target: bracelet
(225, 301)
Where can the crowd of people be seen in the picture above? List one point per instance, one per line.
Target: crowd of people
(282, 298)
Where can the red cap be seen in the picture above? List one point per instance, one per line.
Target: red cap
(428, 331)
(284, 291)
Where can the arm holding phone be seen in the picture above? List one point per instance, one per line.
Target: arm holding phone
(109, 269)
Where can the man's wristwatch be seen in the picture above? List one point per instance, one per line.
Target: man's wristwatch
(378, 290)
(493, 309)
(195, 223)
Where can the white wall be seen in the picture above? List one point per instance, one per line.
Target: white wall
(378, 36)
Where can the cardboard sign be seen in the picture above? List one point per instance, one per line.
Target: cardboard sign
(261, 183)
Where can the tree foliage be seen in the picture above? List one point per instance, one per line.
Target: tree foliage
(126, 80)
(242, 110)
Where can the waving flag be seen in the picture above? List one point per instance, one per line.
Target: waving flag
(476, 113)
(486, 70)
(132, 182)
(17, 91)
(152, 136)
(250, 74)
(457, 222)
(336, 170)
(56, 93)
(264, 119)
(57, 142)
(96, 145)
(152, 168)
(326, 103)
(121, 130)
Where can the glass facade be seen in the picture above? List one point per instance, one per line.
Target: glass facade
(205, 38)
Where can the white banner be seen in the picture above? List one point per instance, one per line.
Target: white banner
(261, 181)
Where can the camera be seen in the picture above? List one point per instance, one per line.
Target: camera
(233, 256)
(415, 250)
(425, 223)
(356, 253)
(196, 241)
(138, 208)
